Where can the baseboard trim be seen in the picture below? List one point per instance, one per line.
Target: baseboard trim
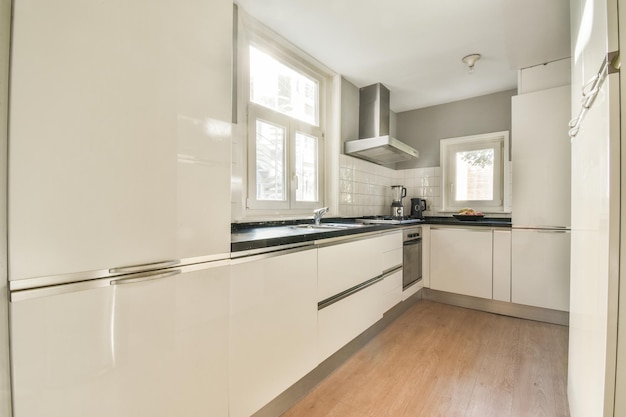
(498, 307)
(300, 389)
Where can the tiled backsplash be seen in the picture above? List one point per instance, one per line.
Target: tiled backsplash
(365, 188)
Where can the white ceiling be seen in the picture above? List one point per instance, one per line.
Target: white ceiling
(414, 47)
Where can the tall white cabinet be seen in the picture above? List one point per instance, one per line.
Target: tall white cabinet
(595, 387)
(119, 134)
(119, 156)
(540, 235)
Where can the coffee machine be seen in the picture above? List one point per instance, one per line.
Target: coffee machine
(398, 192)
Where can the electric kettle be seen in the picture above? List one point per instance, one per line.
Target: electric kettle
(418, 206)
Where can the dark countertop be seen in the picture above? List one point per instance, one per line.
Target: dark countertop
(487, 221)
(252, 236)
(270, 234)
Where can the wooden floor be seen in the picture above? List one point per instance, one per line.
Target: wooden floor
(439, 360)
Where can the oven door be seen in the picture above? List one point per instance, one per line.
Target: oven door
(412, 262)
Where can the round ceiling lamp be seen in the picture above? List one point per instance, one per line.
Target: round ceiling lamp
(470, 61)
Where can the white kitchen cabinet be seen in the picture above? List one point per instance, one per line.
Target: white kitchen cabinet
(342, 266)
(355, 266)
(502, 265)
(540, 268)
(461, 261)
(390, 291)
(541, 158)
(119, 139)
(154, 348)
(344, 320)
(273, 327)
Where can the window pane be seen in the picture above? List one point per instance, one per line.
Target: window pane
(306, 167)
(279, 87)
(474, 175)
(270, 161)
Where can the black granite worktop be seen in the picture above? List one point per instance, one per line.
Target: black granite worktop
(274, 234)
(259, 235)
(486, 221)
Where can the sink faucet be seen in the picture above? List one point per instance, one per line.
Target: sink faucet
(318, 213)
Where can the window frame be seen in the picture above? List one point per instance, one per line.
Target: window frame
(290, 57)
(499, 141)
(292, 126)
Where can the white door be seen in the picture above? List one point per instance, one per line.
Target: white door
(154, 348)
(119, 134)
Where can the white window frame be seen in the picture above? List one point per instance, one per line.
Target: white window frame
(267, 41)
(499, 141)
(292, 126)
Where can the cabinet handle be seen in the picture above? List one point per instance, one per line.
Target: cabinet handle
(148, 276)
(142, 267)
(347, 293)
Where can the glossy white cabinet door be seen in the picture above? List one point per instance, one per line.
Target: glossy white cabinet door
(541, 158)
(461, 261)
(344, 265)
(344, 320)
(502, 265)
(155, 348)
(119, 133)
(540, 267)
(273, 327)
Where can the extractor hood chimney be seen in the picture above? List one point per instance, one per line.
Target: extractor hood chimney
(374, 143)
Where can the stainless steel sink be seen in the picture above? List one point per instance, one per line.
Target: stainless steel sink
(330, 226)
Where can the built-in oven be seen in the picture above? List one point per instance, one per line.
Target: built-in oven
(412, 256)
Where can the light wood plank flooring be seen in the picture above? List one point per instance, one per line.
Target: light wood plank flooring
(440, 360)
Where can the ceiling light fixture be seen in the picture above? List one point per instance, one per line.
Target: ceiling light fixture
(470, 61)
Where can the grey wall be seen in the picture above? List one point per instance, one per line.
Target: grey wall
(424, 128)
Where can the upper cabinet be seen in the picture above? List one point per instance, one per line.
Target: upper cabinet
(120, 126)
(541, 158)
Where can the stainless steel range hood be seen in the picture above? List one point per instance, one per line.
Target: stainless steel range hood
(374, 143)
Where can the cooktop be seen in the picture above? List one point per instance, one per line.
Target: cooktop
(388, 220)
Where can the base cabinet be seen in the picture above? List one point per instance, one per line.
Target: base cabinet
(502, 265)
(273, 327)
(461, 261)
(341, 322)
(346, 267)
(155, 348)
(540, 268)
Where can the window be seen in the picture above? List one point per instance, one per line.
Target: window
(285, 140)
(474, 172)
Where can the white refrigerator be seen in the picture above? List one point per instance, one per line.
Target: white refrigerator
(595, 388)
(119, 207)
(540, 237)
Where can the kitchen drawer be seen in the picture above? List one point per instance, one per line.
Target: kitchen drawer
(390, 291)
(345, 265)
(344, 320)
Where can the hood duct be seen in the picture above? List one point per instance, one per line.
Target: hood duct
(374, 143)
